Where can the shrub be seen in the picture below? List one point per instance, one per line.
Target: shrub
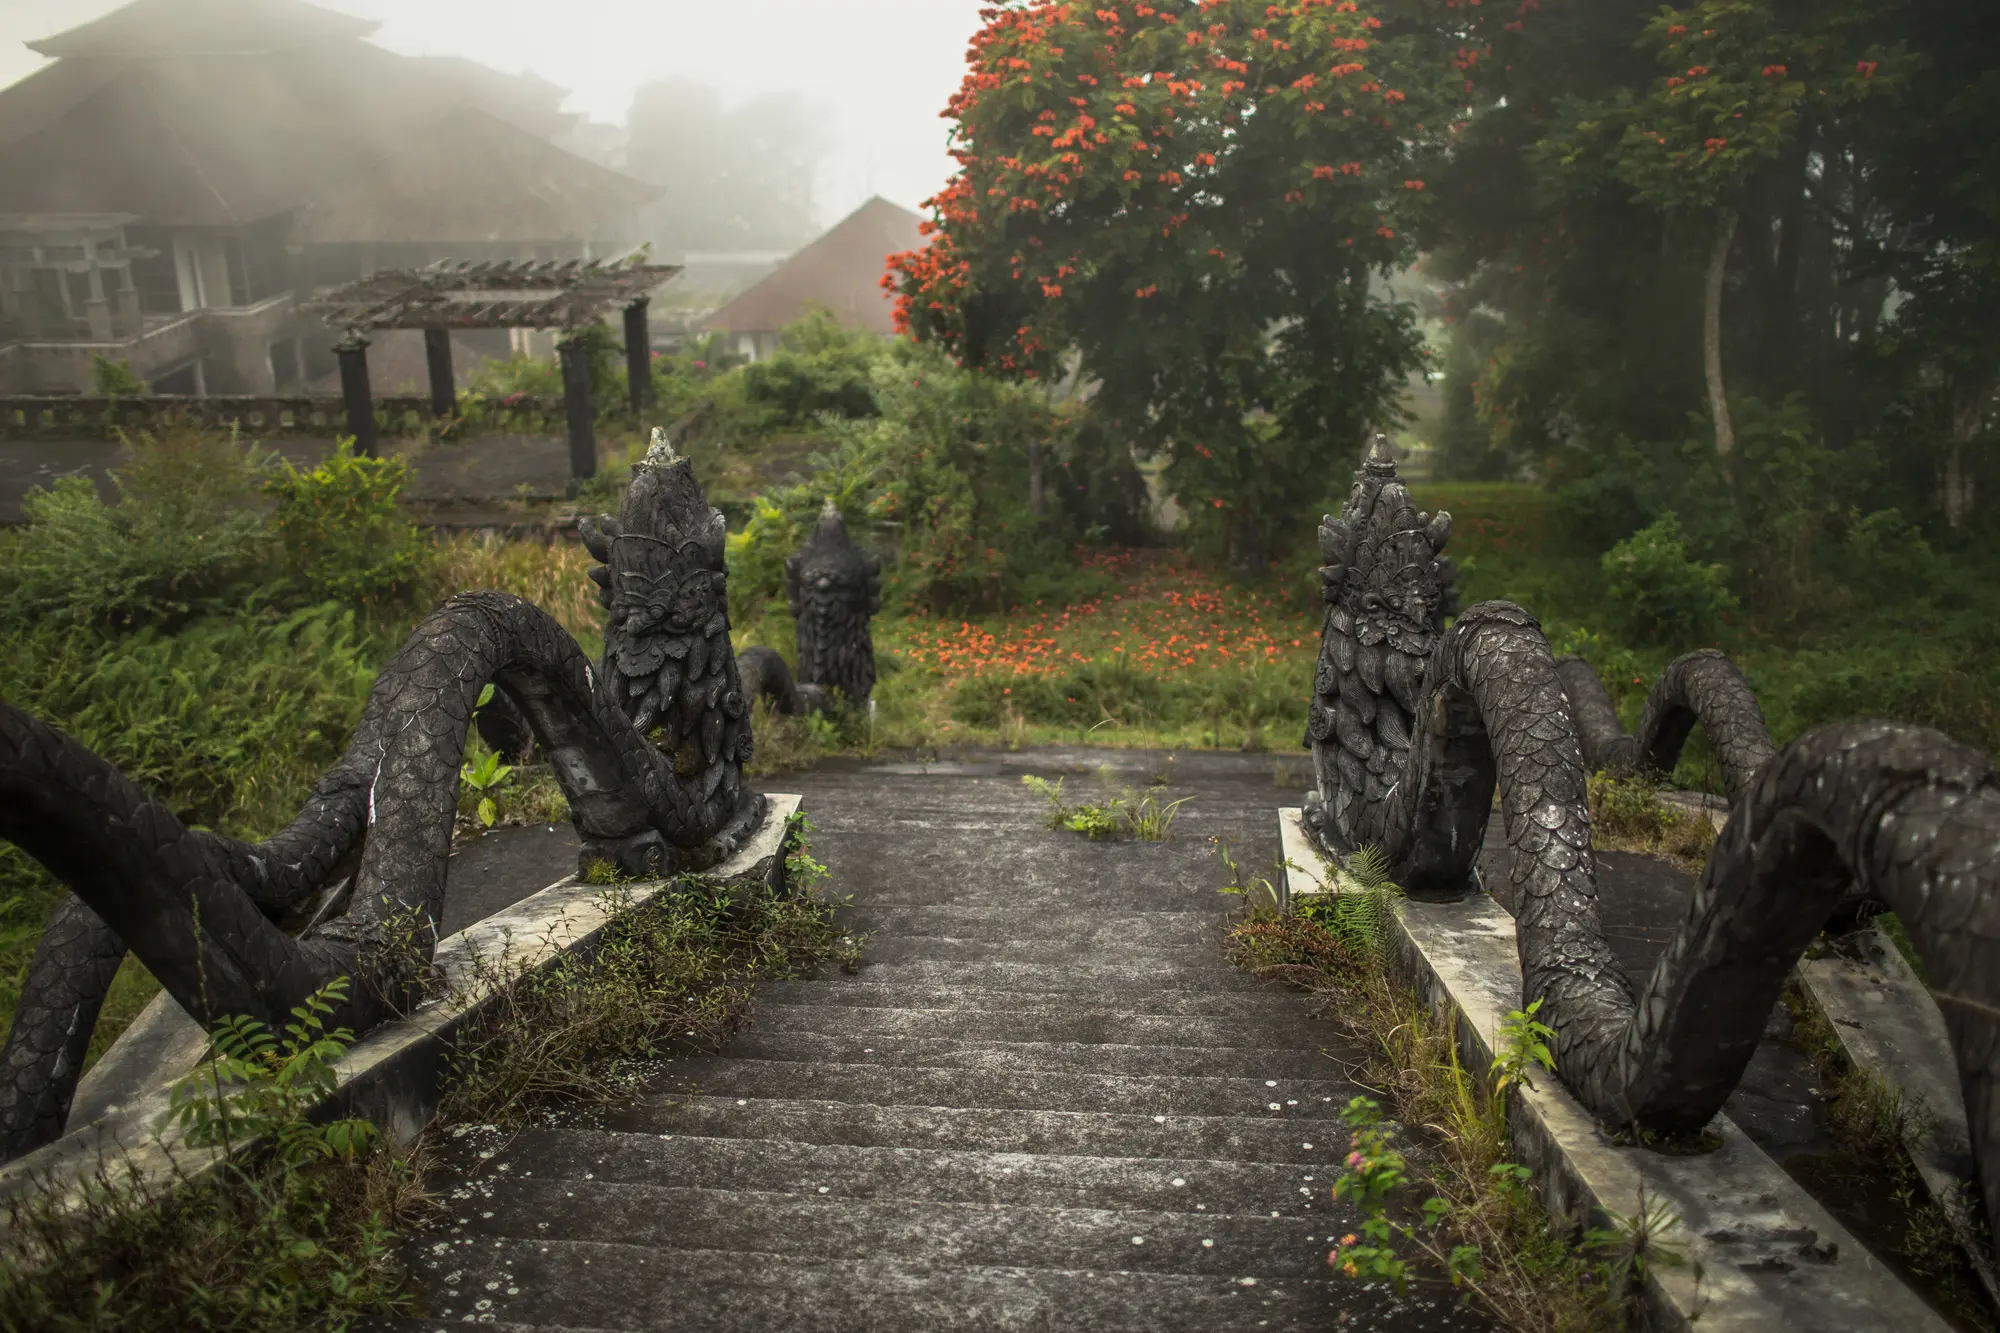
(184, 532)
(113, 379)
(1888, 551)
(1665, 596)
(344, 536)
(820, 368)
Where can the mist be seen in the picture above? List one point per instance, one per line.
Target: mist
(862, 81)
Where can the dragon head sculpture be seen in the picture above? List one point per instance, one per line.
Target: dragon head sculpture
(668, 664)
(1388, 590)
(834, 587)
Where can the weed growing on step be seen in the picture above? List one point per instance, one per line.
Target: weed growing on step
(295, 1226)
(677, 971)
(1482, 1229)
(1116, 817)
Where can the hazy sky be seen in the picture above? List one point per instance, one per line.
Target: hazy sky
(881, 69)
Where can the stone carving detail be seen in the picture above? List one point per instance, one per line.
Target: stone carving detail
(1856, 811)
(834, 587)
(1385, 584)
(667, 658)
(648, 749)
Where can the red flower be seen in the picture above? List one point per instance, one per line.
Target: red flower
(1866, 68)
(1774, 71)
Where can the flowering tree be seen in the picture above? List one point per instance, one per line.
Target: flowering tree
(1187, 203)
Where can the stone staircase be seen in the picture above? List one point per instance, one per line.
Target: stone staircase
(1044, 1102)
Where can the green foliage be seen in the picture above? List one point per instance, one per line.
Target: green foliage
(1522, 1047)
(683, 966)
(1665, 596)
(155, 631)
(1361, 914)
(113, 379)
(486, 775)
(183, 533)
(1094, 694)
(344, 535)
(1115, 817)
(820, 368)
(941, 477)
(294, 1228)
(258, 1087)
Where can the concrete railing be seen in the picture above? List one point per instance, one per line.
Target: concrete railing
(64, 416)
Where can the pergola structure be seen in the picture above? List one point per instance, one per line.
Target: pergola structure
(498, 294)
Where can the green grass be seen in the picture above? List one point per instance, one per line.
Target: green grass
(1918, 650)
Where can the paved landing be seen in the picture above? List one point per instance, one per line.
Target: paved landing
(1045, 1102)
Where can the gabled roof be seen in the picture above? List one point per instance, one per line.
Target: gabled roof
(204, 27)
(365, 145)
(842, 271)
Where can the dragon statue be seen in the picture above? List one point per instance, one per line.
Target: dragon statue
(834, 588)
(649, 748)
(1413, 726)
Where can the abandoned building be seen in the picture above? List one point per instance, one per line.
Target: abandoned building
(187, 172)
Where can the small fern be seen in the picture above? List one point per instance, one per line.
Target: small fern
(258, 1085)
(1362, 917)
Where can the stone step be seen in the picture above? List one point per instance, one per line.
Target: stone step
(934, 1175)
(1197, 953)
(1259, 1026)
(1313, 1145)
(1314, 1101)
(943, 1235)
(1260, 1002)
(633, 1287)
(782, 1042)
(1022, 923)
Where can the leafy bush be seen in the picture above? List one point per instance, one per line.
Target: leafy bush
(184, 532)
(1666, 597)
(941, 476)
(1888, 551)
(113, 379)
(819, 368)
(344, 536)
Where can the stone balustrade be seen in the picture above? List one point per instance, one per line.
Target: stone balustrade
(67, 416)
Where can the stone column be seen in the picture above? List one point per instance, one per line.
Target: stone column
(576, 406)
(97, 309)
(437, 356)
(354, 393)
(638, 356)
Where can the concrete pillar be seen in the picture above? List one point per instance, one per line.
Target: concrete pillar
(354, 393)
(638, 357)
(437, 356)
(127, 320)
(576, 407)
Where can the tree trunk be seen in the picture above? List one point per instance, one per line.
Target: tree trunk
(1035, 478)
(1711, 333)
(1967, 418)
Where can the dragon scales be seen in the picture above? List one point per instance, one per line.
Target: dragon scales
(649, 748)
(1413, 726)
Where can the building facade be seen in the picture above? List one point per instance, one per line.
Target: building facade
(187, 172)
